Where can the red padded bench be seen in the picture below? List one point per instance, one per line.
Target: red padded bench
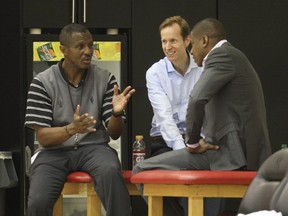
(80, 183)
(192, 184)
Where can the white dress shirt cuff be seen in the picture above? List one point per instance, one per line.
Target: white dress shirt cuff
(195, 145)
(178, 145)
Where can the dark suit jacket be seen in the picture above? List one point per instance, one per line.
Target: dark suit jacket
(228, 103)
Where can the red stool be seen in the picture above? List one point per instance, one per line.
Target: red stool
(80, 183)
(133, 191)
(194, 184)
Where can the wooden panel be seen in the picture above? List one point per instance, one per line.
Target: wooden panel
(93, 200)
(155, 205)
(195, 190)
(195, 206)
(195, 194)
(133, 191)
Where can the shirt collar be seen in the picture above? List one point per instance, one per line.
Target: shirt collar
(65, 77)
(219, 44)
(170, 67)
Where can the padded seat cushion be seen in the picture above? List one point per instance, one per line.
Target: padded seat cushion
(194, 177)
(83, 177)
(127, 174)
(79, 177)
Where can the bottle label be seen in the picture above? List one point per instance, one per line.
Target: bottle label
(138, 156)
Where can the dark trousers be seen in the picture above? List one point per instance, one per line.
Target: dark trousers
(158, 146)
(49, 170)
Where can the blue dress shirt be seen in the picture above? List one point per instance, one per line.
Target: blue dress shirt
(168, 92)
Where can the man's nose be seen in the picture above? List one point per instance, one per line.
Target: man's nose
(168, 45)
(88, 50)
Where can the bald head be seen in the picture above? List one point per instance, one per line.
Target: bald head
(210, 27)
(204, 36)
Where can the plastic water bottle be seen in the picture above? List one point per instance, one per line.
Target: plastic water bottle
(138, 150)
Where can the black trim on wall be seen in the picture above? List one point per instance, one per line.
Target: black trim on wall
(11, 106)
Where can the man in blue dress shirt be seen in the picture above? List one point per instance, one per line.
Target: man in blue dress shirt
(169, 82)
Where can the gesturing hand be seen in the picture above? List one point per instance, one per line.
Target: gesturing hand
(82, 123)
(120, 101)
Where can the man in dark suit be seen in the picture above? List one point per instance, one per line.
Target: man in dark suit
(229, 94)
(227, 104)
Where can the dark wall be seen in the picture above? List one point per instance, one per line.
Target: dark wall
(259, 29)
(256, 27)
(10, 109)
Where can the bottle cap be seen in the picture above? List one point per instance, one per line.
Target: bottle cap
(139, 137)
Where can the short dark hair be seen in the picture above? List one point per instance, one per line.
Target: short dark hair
(184, 26)
(210, 27)
(68, 30)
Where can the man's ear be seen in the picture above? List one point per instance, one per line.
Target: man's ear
(63, 49)
(187, 41)
(205, 41)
